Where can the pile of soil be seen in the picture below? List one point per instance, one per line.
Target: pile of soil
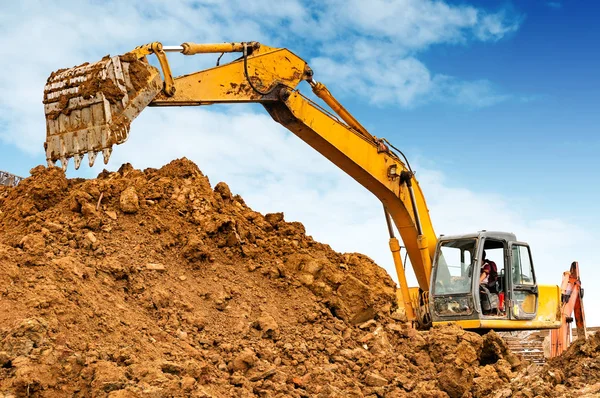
(152, 284)
(576, 373)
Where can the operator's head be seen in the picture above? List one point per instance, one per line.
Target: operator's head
(484, 256)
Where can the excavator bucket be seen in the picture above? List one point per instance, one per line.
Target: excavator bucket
(89, 108)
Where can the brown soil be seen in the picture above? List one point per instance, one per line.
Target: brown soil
(152, 284)
(576, 373)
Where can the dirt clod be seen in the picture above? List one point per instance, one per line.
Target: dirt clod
(129, 202)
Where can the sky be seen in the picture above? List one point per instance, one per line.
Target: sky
(495, 103)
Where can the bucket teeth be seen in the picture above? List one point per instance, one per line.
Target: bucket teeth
(91, 158)
(64, 162)
(77, 157)
(50, 162)
(106, 154)
(89, 107)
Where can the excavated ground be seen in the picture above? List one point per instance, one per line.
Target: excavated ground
(152, 284)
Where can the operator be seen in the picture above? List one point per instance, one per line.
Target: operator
(488, 272)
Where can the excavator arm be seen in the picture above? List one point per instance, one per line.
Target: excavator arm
(571, 307)
(89, 109)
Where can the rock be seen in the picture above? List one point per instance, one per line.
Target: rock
(108, 376)
(354, 295)
(129, 201)
(111, 214)
(311, 266)
(171, 368)
(274, 218)
(267, 324)
(399, 315)
(375, 380)
(486, 381)
(91, 237)
(88, 210)
(367, 324)
(195, 250)
(504, 393)
(466, 354)
(306, 279)
(455, 381)
(188, 383)
(53, 226)
(4, 359)
(155, 267)
(33, 243)
(301, 381)
(223, 190)
(232, 238)
(122, 394)
(243, 361)
(504, 370)
(263, 375)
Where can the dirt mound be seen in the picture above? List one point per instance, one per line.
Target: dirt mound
(574, 374)
(151, 283)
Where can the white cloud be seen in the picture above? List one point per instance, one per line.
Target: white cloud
(406, 82)
(372, 45)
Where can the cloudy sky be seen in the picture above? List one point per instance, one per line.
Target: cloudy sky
(495, 103)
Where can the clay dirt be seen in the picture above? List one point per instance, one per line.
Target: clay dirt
(155, 284)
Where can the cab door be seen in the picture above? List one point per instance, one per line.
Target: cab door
(523, 300)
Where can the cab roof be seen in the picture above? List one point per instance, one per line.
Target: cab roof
(504, 236)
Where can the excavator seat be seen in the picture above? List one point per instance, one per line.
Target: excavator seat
(490, 303)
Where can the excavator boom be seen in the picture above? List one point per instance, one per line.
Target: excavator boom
(571, 307)
(89, 109)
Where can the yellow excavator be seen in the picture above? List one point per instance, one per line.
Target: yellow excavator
(89, 108)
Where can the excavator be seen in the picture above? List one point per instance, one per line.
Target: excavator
(89, 109)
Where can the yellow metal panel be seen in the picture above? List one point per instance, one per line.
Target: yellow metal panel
(548, 315)
(502, 324)
(466, 324)
(548, 304)
(360, 159)
(228, 83)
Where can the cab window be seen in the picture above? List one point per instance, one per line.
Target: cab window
(524, 290)
(522, 269)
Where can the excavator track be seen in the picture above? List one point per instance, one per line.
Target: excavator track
(529, 344)
(534, 345)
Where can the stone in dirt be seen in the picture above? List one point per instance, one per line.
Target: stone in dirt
(129, 201)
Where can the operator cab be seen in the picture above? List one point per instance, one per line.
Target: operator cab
(457, 293)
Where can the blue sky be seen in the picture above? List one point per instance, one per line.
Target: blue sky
(496, 103)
